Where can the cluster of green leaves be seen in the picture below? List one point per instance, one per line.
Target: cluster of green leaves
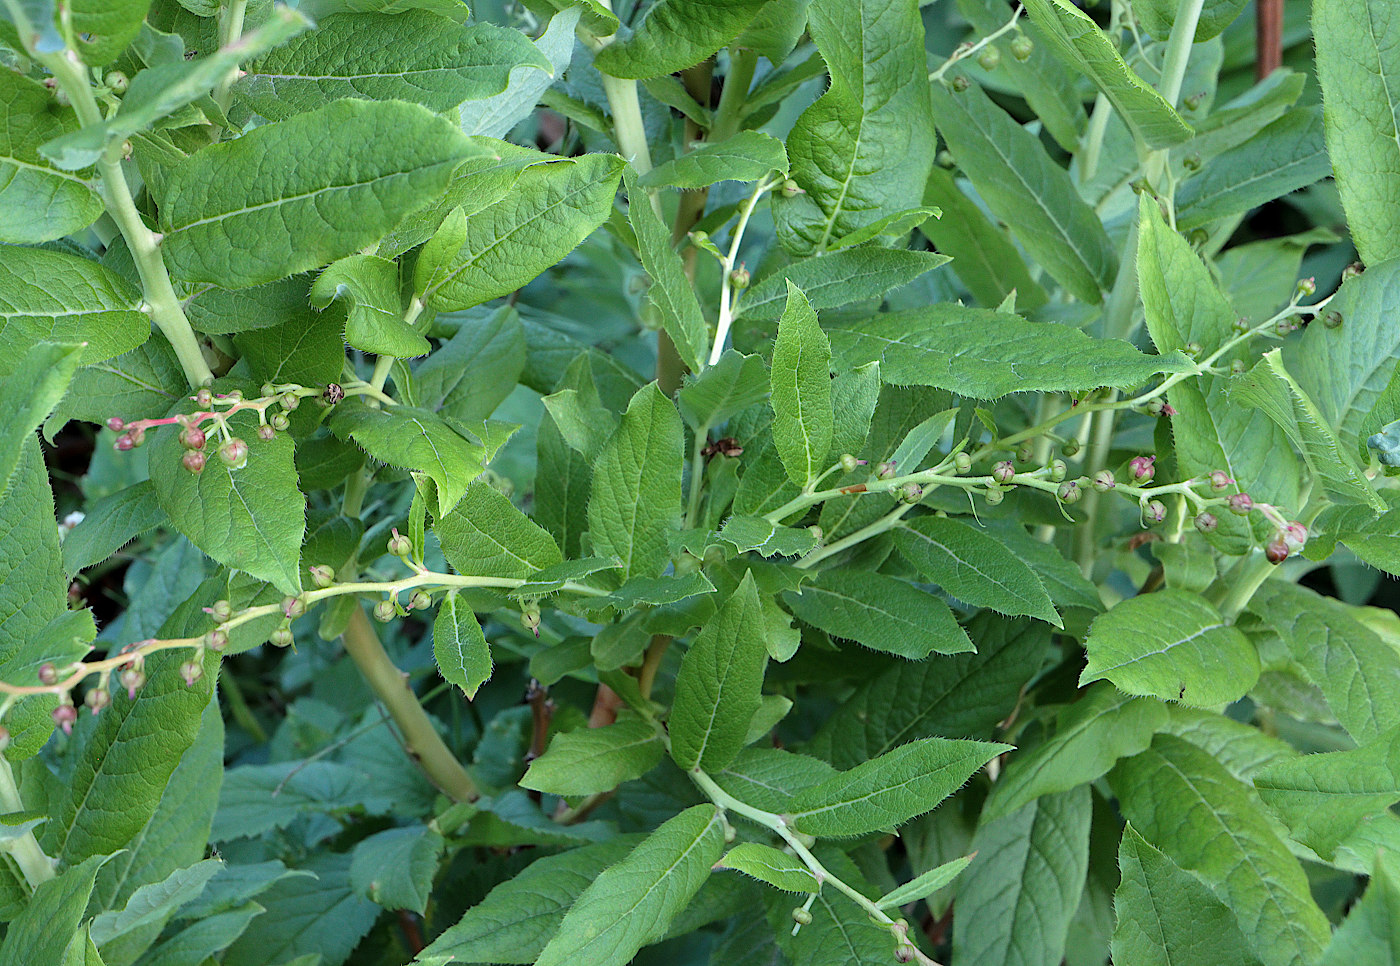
(941, 598)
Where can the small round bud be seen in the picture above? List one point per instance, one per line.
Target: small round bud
(1332, 319)
(322, 576)
(216, 640)
(234, 454)
(740, 278)
(282, 637)
(1155, 406)
(1307, 286)
(995, 495)
(193, 461)
(1240, 325)
(399, 545)
(1069, 492)
(64, 715)
(116, 81)
(730, 833)
(801, 916)
(221, 611)
(192, 437)
(1025, 453)
(1284, 327)
(333, 393)
(1003, 471)
(116, 424)
(293, 606)
(1104, 481)
(1058, 469)
(944, 159)
(962, 462)
(1198, 237)
(905, 953)
(278, 423)
(204, 398)
(385, 611)
(1141, 468)
(1156, 511)
(911, 493)
(97, 699)
(849, 462)
(420, 600)
(1141, 186)
(1206, 522)
(885, 470)
(699, 237)
(1352, 270)
(290, 401)
(1193, 101)
(1022, 47)
(1192, 162)
(989, 58)
(1193, 349)
(1240, 503)
(266, 433)
(132, 679)
(48, 674)
(960, 84)
(1219, 479)
(1071, 446)
(267, 389)
(234, 396)
(1238, 368)
(190, 672)
(1277, 551)
(791, 189)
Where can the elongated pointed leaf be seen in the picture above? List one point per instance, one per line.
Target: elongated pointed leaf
(486, 534)
(747, 156)
(838, 278)
(675, 34)
(801, 399)
(41, 932)
(734, 383)
(374, 318)
(924, 885)
(671, 291)
(1370, 936)
(588, 761)
(883, 613)
(459, 647)
(780, 870)
(395, 867)
(414, 439)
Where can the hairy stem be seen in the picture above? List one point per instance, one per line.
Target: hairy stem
(1179, 43)
(230, 29)
(24, 849)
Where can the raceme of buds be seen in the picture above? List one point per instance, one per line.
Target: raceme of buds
(1219, 479)
(1277, 551)
(1240, 503)
(1141, 469)
(234, 454)
(1069, 492)
(1104, 481)
(321, 575)
(385, 611)
(962, 462)
(1058, 469)
(399, 545)
(1022, 47)
(1206, 521)
(1156, 511)
(192, 437)
(193, 461)
(64, 715)
(1003, 471)
(190, 672)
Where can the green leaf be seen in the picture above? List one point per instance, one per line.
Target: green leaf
(41, 932)
(1171, 645)
(756, 534)
(670, 291)
(636, 495)
(473, 372)
(549, 210)
(985, 355)
(111, 523)
(1287, 155)
(1083, 46)
(675, 34)
(297, 194)
(251, 519)
(159, 91)
(413, 439)
(496, 116)
(729, 386)
(666, 589)
(984, 257)
(838, 278)
(1090, 736)
(966, 694)
(396, 867)
(883, 613)
(841, 932)
(29, 393)
(1180, 300)
(632, 903)
(1025, 882)
(1026, 189)
(1270, 388)
(104, 28)
(1166, 915)
(414, 56)
(925, 885)
(487, 535)
(154, 903)
(1368, 937)
(801, 391)
(747, 156)
(769, 778)
(518, 917)
(591, 761)
(886, 792)
(459, 647)
(1209, 823)
(894, 226)
(260, 798)
(719, 684)
(38, 202)
(766, 864)
(53, 296)
(374, 320)
(1322, 798)
(864, 150)
(1358, 52)
(307, 917)
(974, 567)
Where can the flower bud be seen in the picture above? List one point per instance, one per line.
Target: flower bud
(1206, 522)
(849, 462)
(1071, 446)
(945, 159)
(905, 953)
(267, 389)
(221, 611)
(1277, 551)
(234, 395)
(962, 462)
(280, 422)
(216, 640)
(234, 454)
(995, 495)
(1197, 237)
(290, 401)
(267, 433)
(132, 679)
(385, 611)
(48, 674)
(1192, 101)
(420, 600)
(194, 461)
(1156, 511)
(1332, 319)
(322, 576)
(399, 545)
(1295, 535)
(1238, 368)
(1240, 325)
(1307, 286)
(97, 699)
(885, 470)
(204, 398)
(1022, 47)
(1025, 453)
(1104, 481)
(333, 393)
(1352, 270)
(293, 606)
(1003, 471)
(989, 59)
(1141, 469)
(791, 189)
(740, 278)
(282, 637)
(116, 81)
(730, 834)
(911, 493)
(64, 715)
(1193, 349)
(1069, 492)
(1058, 469)
(190, 672)
(801, 916)
(1219, 479)
(116, 424)
(1155, 406)
(192, 437)
(960, 84)
(1240, 503)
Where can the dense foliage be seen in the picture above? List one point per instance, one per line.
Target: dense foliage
(769, 481)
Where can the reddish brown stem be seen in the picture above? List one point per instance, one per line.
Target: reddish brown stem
(1268, 37)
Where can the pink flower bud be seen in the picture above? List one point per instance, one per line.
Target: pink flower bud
(267, 433)
(399, 545)
(190, 672)
(1104, 481)
(1141, 469)
(97, 699)
(1277, 551)
(1295, 534)
(193, 461)
(64, 715)
(293, 606)
(48, 674)
(116, 424)
(385, 611)
(1003, 471)
(132, 679)
(234, 454)
(1219, 480)
(216, 640)
(322, 576)
(1206, 522)
(204, 398)
(1069, 492)
(1240, 503)
(1156, 511)
(124, 442)
(221, 611)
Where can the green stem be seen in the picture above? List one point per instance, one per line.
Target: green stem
(24, 849)
(1234, 589)
(697, 475)
(728, 113)
(1093, 139)
(1179, 43)
(728, 303)
(887, 522)
(391, 687)
(230, 29)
